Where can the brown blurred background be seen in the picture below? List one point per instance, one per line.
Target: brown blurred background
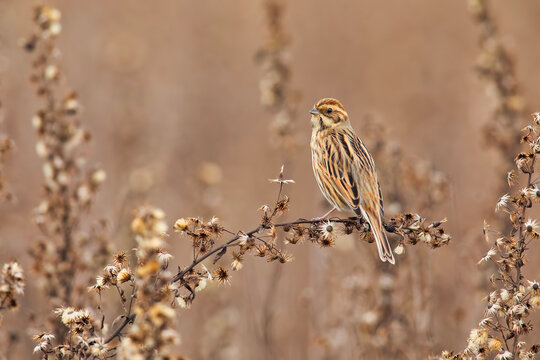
(170, 86)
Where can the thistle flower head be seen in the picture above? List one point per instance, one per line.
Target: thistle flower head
(531, 226)
(327, 229)
(181, 225)
(502, 202)
(222, 275)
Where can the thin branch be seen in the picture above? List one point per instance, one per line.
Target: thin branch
(127, 320)
(351, 221)
(521, 245)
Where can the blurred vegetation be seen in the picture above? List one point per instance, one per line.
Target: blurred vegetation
(192, 107)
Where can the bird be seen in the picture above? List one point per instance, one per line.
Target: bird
(345, 171)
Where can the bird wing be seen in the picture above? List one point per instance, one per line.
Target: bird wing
(352, 170)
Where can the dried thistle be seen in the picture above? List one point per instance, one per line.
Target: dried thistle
(83, 340)
(153, 331)
(262, 240)
(508, 307)
(69, 186)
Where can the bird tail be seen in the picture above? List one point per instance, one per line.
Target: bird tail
(383, 245)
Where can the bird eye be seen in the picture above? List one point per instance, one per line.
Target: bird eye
(329, 110)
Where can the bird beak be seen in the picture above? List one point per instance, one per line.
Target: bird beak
(314, 111)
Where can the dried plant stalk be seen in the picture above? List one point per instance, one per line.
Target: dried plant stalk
(276, 94)
(496, 68)
(153, 331)
(280, 101)
(148, 306)
(262, 241)
(501, 333)
(6, 147)
(69, 186)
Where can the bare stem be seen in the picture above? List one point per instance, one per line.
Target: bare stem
(522, 245)
(353, 221)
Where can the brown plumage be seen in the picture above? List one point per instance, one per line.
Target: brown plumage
(345, 171)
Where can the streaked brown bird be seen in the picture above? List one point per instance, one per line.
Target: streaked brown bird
(345, 171)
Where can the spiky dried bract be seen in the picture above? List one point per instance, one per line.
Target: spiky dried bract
(221, 275)
(70, 186)
(508, 307)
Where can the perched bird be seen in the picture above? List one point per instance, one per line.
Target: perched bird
(345, 171)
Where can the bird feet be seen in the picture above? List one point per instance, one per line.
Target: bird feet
(320, 218)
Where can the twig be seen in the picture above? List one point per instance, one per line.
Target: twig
(351, 221)
(521, 246)
(127, 320)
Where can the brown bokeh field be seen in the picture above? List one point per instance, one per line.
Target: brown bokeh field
(170, 87)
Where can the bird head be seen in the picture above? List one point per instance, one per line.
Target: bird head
(328, 113)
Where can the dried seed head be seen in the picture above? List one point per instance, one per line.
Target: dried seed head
(524, 162)
(535, 301)
(502, 202)
(71, 316)
(214, 227)
(478, 337)
(181, 225)
(183, 302)
(222, 275)
(242, 238)
(120, 259)
(327, 230)
(400, 249)
(536, 118)
(164, 258)
(123, 276)
(327, 242)
(201, 284)
(511, 178)
(534, 286)
(236, 265)
(531, 226)
(507, 355)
